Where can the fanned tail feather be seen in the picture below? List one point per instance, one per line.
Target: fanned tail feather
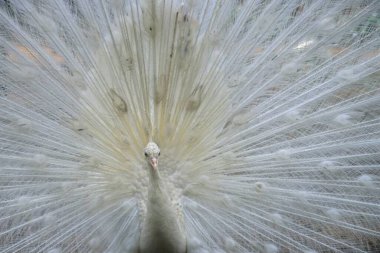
(267, 114)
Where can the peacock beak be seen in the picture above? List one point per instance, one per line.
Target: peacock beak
(154, 162)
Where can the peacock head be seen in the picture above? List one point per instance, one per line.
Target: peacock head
(152, 152)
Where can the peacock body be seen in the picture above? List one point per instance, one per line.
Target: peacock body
(259, 121)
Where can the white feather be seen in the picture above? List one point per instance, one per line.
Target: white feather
(267, 114)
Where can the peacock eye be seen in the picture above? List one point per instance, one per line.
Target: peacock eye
(146, 154)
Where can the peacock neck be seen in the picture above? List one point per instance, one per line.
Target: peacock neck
(161, 229)
(158, 197)
(155, 182)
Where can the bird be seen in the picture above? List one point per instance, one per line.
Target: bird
(184, 126)
(162, 230)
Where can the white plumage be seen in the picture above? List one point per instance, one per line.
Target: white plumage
(162, 229)
(266, 114)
